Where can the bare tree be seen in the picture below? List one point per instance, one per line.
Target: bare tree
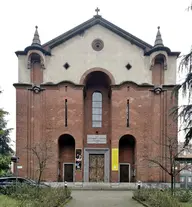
(168, 162)
(184, 112)
(42, 153)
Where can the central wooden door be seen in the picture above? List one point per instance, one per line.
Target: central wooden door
(96, 168)
(124, 173)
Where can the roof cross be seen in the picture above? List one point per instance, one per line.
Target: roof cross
(97, 10)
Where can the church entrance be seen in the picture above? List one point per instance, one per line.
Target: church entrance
(126, 158)
(96, 168)
(66, 158)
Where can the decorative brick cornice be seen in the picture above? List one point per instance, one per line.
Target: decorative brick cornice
(143, 85)
(51, 84)
(62, 83)
(22, 85)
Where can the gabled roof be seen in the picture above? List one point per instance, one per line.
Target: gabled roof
(97, 19)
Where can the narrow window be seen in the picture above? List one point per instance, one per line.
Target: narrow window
(97, 109)
(65, 112)
(128, 113)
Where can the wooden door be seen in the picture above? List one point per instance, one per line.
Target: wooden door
(96, 167)
(68, 172)
(124, 173)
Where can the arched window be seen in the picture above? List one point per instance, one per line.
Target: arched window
(97, 109)
(33, 59)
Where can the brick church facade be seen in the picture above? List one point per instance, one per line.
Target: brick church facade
(94, 102)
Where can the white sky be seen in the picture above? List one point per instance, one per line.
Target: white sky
(18, 19)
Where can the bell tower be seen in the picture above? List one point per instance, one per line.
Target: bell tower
(32, 61)
(36, 60)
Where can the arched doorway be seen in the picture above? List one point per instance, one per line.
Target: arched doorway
(97, 103)
(66, 158)
(97, 122)
(126, 158)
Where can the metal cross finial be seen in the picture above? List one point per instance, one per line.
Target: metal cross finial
(97, 10)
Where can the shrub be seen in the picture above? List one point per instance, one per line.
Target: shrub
(54, 197)
(183, 195)
(157, 198)
(34, 196)
(162, 199)
(142, 195)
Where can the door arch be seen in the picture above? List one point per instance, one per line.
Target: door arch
(66, 145)
(126, 158)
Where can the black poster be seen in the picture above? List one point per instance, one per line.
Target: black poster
(78, 159)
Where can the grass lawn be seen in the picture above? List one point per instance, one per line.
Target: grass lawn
(5, 201)
(187, 204)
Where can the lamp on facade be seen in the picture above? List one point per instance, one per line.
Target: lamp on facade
(157, 90)
(15, 159)
(36, 89)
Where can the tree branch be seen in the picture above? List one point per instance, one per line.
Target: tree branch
(160, 165)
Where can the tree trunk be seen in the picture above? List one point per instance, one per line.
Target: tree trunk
(172, 184)
(39, 179)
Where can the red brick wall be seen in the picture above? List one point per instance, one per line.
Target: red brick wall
(126, 154)
(22, 130)
(36, 73)
(54, 121)
(158, 74)
(158, 70)
(41, 116)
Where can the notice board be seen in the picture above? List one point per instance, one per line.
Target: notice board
(115, 159)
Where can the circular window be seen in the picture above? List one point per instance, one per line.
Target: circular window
(97, 44)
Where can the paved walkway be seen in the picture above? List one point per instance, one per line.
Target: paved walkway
(102, 199)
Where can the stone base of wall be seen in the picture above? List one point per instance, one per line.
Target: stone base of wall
(109, 186)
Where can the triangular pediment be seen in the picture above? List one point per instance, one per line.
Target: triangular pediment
(92, 22)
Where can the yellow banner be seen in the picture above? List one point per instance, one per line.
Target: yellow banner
(115, 159)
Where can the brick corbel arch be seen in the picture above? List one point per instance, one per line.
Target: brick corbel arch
(85, 75)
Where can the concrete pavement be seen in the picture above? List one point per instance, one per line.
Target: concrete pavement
(102, 199)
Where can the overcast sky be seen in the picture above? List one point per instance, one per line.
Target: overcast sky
(18, 19)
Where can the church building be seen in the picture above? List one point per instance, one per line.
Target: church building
(93, 105)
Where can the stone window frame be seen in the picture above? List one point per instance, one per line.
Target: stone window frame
(97, 44)
(97, 123)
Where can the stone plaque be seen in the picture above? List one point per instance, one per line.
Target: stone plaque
(96, 139)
